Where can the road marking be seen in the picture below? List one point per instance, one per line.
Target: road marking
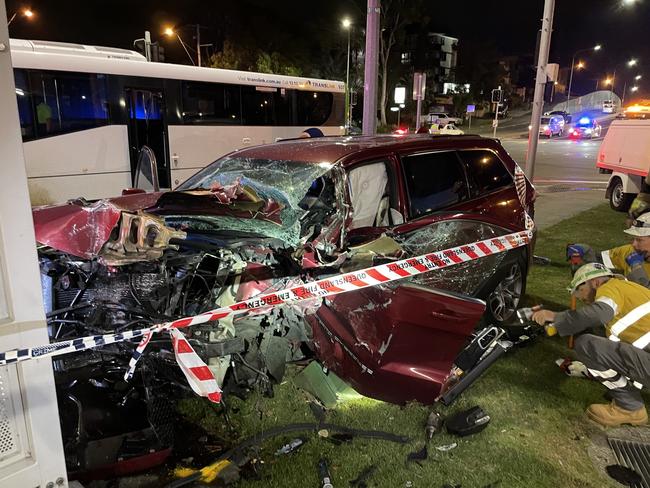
(577, 182)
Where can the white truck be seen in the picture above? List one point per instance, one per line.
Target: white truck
(625, 154)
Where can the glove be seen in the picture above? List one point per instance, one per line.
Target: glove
(573, 368)
(635, 259)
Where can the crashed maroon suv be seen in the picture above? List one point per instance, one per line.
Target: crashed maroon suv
(267, 218)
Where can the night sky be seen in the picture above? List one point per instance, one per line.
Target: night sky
(510, 24)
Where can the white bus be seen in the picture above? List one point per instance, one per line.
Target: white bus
(86, 111)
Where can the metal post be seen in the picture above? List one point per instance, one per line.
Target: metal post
(540, 83)
(147, 45)
(495, 122)
(198, 44)
(568, 95)
(347, 85)
(418, 105)
(399, 111)
(370, 70)
(624, 90)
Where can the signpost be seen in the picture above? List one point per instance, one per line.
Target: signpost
(497, 98)
(419, 84)
(470, 110)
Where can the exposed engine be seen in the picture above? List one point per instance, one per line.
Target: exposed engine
(199, 273)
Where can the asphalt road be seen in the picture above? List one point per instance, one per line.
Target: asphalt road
(559, 159)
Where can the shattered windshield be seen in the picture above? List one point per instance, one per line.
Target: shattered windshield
(283, 181)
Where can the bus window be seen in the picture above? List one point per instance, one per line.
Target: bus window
(314, 108)
(284, 106)
(257, 105)
(48, 116)
(24, 104)
(211, 103)
(68, 102)
(83, 101)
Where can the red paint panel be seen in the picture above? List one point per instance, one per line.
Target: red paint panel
(202, 373)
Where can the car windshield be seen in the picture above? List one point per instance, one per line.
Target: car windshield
(283, 181)
(546, 120)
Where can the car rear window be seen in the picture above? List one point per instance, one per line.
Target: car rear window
(545, 120)
(434, 181)
(486, 171)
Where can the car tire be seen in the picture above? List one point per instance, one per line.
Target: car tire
(618, 199)
(504, 291)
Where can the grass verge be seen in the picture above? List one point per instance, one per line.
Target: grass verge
(538, 436)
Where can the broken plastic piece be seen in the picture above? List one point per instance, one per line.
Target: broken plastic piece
(468, 422)
(292, 446)
(447, 447)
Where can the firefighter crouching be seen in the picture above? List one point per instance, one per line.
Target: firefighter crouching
(621, 359)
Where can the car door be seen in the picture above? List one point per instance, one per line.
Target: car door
(397, 341)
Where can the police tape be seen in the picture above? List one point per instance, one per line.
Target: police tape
(197, 373)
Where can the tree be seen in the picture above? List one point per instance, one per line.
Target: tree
(395, 15)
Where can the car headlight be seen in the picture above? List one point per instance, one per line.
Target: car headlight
(588, 131)
(545, 127)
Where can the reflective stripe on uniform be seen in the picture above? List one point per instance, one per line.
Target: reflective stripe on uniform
(607, 261)
(619, 383)
(608, 301)
(607, 374)
(642, 341)
(629, 319)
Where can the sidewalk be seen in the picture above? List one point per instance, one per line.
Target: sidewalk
(554, 205)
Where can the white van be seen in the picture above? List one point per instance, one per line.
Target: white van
(625, 153)
(608, 107)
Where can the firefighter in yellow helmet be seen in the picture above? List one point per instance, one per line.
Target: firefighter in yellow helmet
(632, 259)
(621, 359)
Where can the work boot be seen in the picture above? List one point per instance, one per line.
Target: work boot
(611, 415)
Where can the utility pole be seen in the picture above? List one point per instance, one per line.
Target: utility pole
(370, 70)
(540, 84)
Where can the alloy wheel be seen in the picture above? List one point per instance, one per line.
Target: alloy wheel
(504, 300)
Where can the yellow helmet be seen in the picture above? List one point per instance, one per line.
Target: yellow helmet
(588, 272)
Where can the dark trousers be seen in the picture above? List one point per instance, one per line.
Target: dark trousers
(617, 365)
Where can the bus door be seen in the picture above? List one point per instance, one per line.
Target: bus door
(147, 127)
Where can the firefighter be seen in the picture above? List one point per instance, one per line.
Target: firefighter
(633, 259)
(621, 359)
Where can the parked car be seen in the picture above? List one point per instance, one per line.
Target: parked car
(586, 128)
(561, 113)
(625, 156)
(550, 126)
(266, 218)
(447, 129)
(442, 118)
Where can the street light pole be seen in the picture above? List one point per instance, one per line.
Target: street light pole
(348, 112)
(370, 70)
(540, 84)
(573, 63)
(568, 95)
(198, 45)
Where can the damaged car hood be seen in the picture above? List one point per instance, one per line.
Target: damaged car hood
(140, 223)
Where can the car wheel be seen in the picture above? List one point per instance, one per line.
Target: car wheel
(618, 199)
(504, 291)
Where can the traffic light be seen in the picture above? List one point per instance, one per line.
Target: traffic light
(497, 96)
(157, 53)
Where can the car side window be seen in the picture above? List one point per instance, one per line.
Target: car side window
(434, 181)
(486, 171)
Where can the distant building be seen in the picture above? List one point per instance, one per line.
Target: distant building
(435, 54)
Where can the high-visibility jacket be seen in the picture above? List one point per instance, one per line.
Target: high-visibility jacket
(631, 305)
(615, 259)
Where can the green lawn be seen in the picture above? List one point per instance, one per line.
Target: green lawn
(538, 436)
